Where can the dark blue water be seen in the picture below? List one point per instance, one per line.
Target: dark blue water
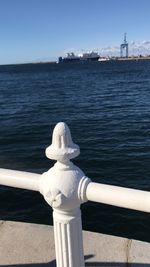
(107, 107)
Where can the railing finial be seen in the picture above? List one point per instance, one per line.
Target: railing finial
(62, 148)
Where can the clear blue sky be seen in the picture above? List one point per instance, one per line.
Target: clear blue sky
(36, 30)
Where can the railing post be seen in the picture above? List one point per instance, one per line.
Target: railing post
(64, 189)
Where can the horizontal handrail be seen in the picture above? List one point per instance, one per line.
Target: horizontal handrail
(19, 179)
(101, 193)
(119, 196)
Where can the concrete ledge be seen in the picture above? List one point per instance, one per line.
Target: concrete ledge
(23, 244)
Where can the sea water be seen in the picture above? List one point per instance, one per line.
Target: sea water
(107, 107)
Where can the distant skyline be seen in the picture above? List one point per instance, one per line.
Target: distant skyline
(42, 30)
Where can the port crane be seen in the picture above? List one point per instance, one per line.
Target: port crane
(124, 46)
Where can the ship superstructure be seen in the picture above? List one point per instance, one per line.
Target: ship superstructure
(88, 56)
(69, 57)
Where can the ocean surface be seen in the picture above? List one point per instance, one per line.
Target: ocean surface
(107, 107)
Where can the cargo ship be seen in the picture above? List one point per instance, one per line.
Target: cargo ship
(71, 57)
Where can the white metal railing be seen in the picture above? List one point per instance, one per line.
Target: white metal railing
(65, 187)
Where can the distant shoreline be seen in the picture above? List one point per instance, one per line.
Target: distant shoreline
(142, 58)
(29, 63)
(131, 58)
